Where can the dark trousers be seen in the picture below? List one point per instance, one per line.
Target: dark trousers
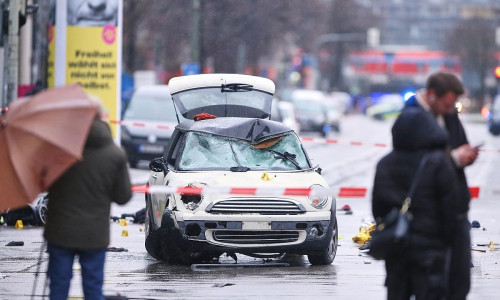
(61, 271)
(460, 262)
(421, 274)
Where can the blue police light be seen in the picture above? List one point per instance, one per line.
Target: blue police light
(408, 95)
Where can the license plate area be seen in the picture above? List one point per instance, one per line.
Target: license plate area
(256, 225)
(150, 148)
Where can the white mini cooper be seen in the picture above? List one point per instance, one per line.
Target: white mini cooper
(233, 143)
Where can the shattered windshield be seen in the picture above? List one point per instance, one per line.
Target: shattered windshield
(204, 151)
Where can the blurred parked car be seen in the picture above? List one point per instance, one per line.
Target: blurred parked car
(311, 112)
(232, 144)
(275, 111)
(284, 112)
(341, 100)
(152, 106)
(333, 114)
(494, 117)
(289, 118)
(387, 107)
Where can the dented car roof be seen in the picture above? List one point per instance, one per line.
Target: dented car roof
(249, 129)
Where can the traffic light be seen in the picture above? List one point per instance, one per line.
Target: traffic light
(497, 72)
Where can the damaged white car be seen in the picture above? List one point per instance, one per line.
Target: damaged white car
(234, 144)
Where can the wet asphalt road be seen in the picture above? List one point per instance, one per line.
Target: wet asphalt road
(353, 275)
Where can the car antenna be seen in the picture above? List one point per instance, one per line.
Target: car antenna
(175, 109)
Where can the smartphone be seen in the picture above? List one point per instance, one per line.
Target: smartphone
(478, 146)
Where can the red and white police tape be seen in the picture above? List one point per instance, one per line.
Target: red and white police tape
(340, 192)
(303, 139)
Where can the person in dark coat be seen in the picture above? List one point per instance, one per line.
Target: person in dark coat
(419, 269)
(438, 99)
(79, 213)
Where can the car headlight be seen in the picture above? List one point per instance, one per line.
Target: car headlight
(191, 199)
(318, 197)
(125, 135)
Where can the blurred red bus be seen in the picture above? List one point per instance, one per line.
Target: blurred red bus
(398, 70)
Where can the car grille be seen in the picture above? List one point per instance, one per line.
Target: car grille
(255, 237)
(256, 206)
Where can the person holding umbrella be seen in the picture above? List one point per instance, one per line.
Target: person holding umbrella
(79, 210)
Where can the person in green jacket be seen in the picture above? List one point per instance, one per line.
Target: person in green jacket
(78, 213)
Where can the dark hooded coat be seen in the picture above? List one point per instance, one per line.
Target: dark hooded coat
(456, 138)
(80, 200)
(461, 253)
(415, 134)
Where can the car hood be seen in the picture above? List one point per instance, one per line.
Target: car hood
(250, 179)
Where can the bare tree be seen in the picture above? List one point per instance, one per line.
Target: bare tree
(234, 34)
(474, 42)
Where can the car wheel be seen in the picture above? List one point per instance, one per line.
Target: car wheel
(328, 255)
(40, 212)
(152, 243)
(173, 248)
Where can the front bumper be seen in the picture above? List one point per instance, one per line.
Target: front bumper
(299, 234)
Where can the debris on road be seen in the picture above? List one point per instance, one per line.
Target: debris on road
(346, 209)
(478, 250)
(475, 224)
(15, 243)
(208, 267)
(488, 245)
(365, 246)
(115, 249)
(138, 217)
(364, 234)
(222, 284)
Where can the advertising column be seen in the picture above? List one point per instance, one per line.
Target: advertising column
(92, 52)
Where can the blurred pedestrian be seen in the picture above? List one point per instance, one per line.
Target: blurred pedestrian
(79, 213)
(419, 269)
(439, 99)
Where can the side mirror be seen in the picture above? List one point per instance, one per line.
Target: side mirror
(159, 165)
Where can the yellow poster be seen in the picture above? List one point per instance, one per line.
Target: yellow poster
(51, 57)
(91, 60)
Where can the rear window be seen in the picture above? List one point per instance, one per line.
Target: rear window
(251, 104)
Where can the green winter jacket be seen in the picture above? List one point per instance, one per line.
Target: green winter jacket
(80, 200)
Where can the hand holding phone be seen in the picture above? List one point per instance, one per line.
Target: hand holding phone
(478, 146)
